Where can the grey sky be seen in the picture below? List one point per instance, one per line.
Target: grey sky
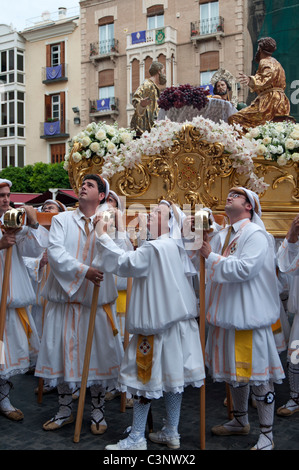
(17, 12)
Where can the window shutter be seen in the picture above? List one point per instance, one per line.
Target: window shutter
(48, 108)
(147, 63)
(155, 10)
(106, 20)
(209, 61)
(48, 55)
(135, 75)
(162, 59)
(106, 78)
(62, 112)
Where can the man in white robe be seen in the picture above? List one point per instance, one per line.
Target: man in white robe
(20, 338)
(242, 304)
(69, 292)
(288, 263)
(164, 354)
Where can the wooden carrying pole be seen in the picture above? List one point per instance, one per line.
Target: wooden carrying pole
(5, 286)
(202, 319)
(41, 380)
(85, 371)
(123, 397)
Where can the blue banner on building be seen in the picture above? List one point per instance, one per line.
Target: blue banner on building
(54, 72)
(103, 104)
(209, 88)
(52, 128)
(139, 36)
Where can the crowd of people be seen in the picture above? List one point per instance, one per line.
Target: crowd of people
(52, 280)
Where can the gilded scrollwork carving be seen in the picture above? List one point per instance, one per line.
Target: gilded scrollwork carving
(134, 182)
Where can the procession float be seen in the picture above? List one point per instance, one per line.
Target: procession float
(191, 159)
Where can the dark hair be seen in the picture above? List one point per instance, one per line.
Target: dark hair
(221, 80)
(101, 183)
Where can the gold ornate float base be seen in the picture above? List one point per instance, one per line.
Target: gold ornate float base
(194, 171)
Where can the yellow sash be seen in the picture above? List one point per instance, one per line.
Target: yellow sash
(121, 301)
(276, 327)
(108, 311)
(144, 357)
(24, 320)
(243, 354)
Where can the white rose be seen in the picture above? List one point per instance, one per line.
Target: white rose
(295, 134)
(267, 140)
(101, 134)
(94, 147)
(86, 141)
(254, 132)
(110, 146)
(282, 160)
(295, 157)
(290, 144)
(89, 128)
(126, 137)
(279, 127)
(261, 149)
(110, 130)
(77, 157)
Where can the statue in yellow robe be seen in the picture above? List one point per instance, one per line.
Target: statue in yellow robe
(145, 99)
(269, 83)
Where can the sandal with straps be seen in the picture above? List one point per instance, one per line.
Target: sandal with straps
(96, 427)
(266, 446)
(53, 424)
(15, 414)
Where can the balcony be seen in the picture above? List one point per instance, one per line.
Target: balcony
(53, 129)
(54, 74)
(203, 29)
(103, 107)
(151, 37)
(103, 49)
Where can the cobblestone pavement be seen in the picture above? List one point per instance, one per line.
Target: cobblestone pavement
(29, 435)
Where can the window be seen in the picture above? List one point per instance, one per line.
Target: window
(55, 111)
(55, 104)
(209, 64)
(55, 61)
(106, 35)
(12, 119)
(55, 55)
(209, 17)
(155, 17)
(205, 77)
(8, 154)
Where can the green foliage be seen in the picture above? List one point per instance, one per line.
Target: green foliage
(36, 178)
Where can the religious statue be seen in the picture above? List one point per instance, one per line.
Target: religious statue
(269, 83)
(222, 90)
(145, 99)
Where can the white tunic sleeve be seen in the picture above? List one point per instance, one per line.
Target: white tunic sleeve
(288, 258)
(113, 259)
(239, 268)
(64, 266)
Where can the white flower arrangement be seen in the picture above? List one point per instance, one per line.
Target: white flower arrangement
(103, 140)
(119, 150)
(278, 141)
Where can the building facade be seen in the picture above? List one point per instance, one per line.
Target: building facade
(52, 84)
(12, 98)
(120, 39)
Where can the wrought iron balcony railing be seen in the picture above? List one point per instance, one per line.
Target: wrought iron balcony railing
(209, 26)
(54, 128)
(104, 106)
(101, 48)
(55, 73)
